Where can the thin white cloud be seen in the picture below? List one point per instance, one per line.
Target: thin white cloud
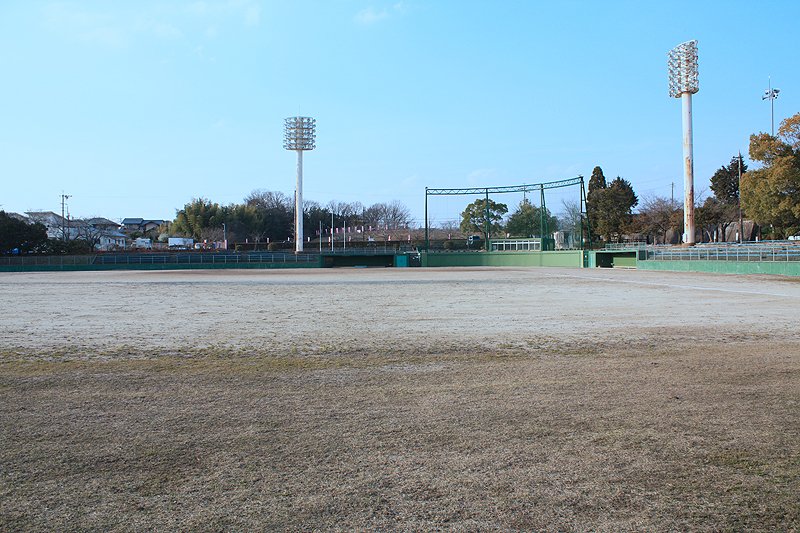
(105, 36)
(158, 28)
(197, 8)
(252, 15)
(114, 26)
(248, 11)
(371, 15)
(92, 27)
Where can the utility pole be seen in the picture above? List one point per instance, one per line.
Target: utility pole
(741, 222)
(64, 198)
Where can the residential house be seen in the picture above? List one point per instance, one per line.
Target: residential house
(21, 218)
(56, 226)
(142, 225)
(102, 233)
(103, 224)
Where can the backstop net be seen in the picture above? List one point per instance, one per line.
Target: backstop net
(537, 216)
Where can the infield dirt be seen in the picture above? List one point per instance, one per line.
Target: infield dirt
(418, 399)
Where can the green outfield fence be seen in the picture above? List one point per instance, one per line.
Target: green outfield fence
(166, 261)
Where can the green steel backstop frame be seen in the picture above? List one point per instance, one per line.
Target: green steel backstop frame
(541, 187)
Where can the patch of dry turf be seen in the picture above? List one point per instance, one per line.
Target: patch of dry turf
(690, 437)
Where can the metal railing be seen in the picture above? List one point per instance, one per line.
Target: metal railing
(514, 245)
(744, 252)
(158, 259)
(370, 250)
(638, 245)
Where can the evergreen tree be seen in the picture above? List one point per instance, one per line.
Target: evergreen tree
(597, 184)
(725, 182)
(19, 235)
(526, 221)
(473, 218)
(196, 216)
(612, 209)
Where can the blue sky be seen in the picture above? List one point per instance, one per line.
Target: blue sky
(136, 107)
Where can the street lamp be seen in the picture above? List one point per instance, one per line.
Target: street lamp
(299, 135)
(682, 68)
(225, 235)
(771, 94)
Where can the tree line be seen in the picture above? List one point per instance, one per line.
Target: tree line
(268, 216)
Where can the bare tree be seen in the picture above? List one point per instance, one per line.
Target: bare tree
(570, 216)
(394, 215)
(351, 213)
(658, 215)
(397, 215)
(86, 232)
(269, 200)
(448, 225)
(212, 234)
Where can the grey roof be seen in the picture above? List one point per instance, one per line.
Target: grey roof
(45, 216)
(100, 221)
(18, 216)
(141, 221)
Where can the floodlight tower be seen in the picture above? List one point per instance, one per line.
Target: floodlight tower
(682, 64)
(771, 94)
(299, 134)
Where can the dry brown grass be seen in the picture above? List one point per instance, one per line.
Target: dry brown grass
(687, 437)
(411, 399)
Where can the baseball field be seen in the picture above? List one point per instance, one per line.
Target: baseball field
(413, 399)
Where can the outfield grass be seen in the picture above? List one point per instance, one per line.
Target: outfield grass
(642, 427)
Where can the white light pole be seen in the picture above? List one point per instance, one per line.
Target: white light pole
(299, 135)
(771, 94)
(682, 65)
